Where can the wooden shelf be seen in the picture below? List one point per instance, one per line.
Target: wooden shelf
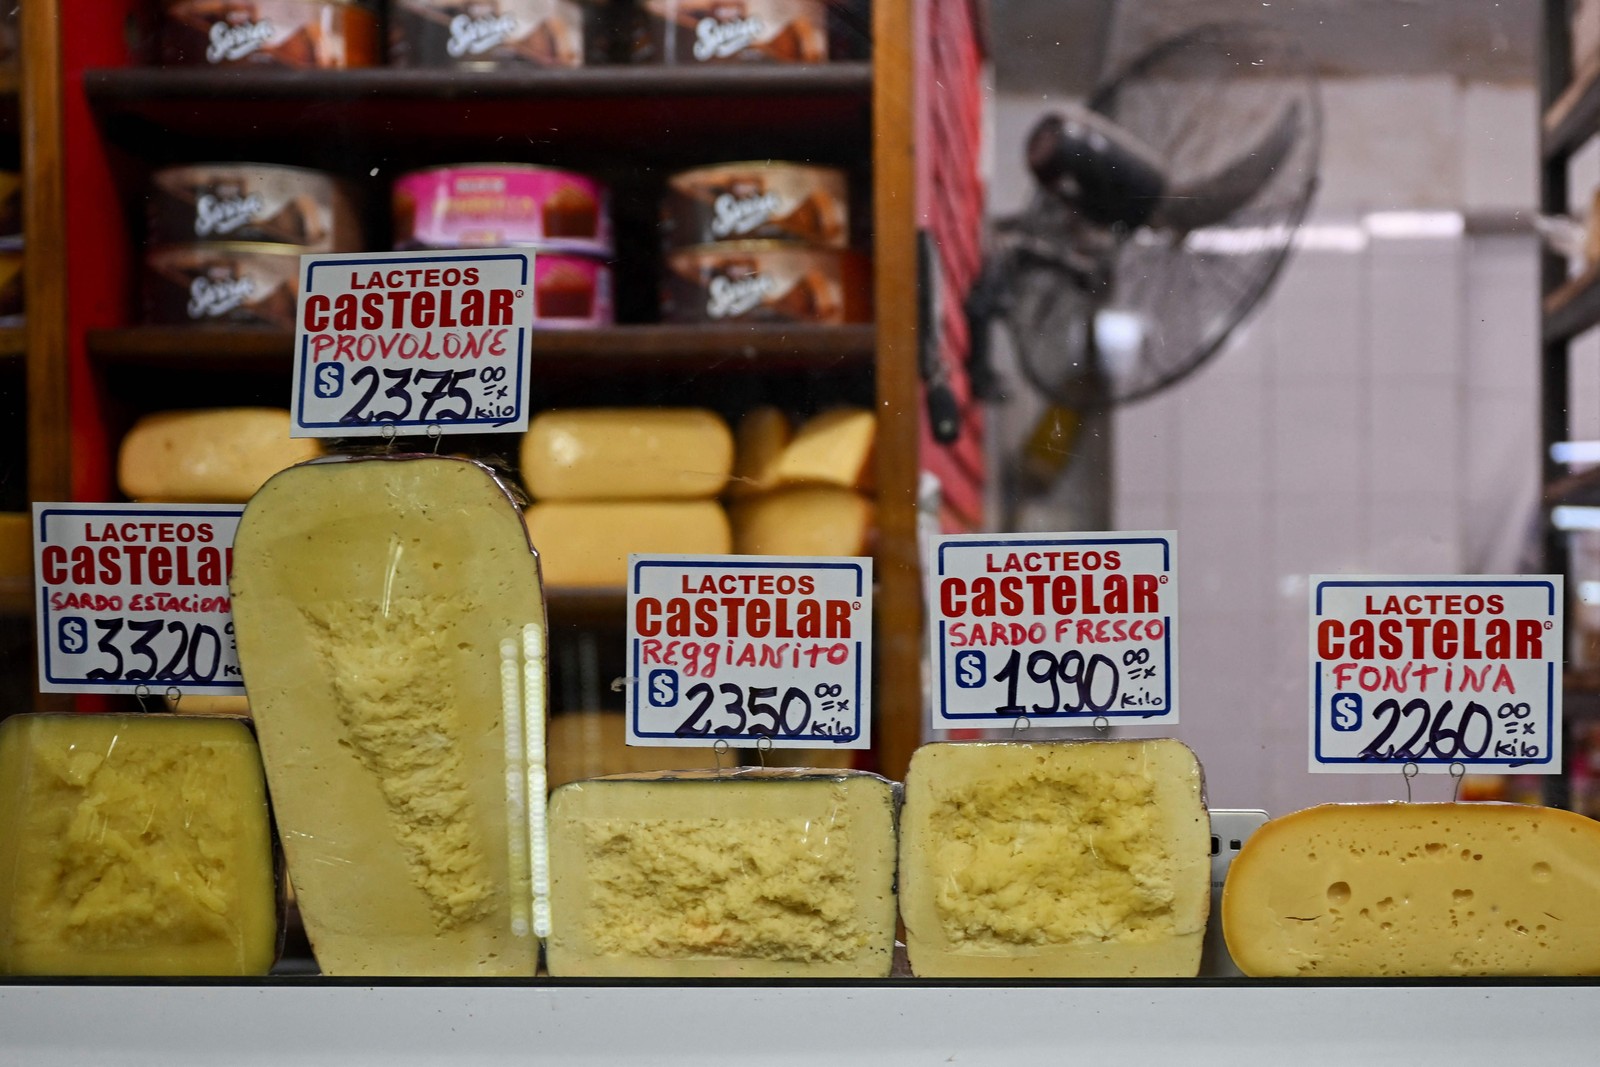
(1573, 308)
(617, 349)
(1575, 116)
(584, 608)
(380, 113)
(13, 344)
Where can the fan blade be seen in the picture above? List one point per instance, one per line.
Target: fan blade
(1215, 197)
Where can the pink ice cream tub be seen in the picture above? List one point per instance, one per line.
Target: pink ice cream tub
(571, 292)
(493, 205)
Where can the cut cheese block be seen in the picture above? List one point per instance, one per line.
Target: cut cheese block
(748, 874)
(626, 454)
(833, 448)
(210, 704)
(815, 520)
(587, 544)
(1423, 890)
(589, 744)
(1055, 859)
(215, 456)
(134, 845)
(372, 599)
(763, 434)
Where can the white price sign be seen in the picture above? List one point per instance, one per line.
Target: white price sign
(1435, 671)
(750, 650)
(1064, 627)
(418, 342)
(135, 596)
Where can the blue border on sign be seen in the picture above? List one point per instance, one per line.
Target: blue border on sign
(1550, 680)
(945, 715)
(853, 735)
(305, 344)
(44, 592)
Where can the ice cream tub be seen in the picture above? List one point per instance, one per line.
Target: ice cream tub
(492, 205)
(253, 202)
(757, 201)
(729, 31)
(765, 281)
(487, 33)
(300, 34)
(222, 284)
(571, 292)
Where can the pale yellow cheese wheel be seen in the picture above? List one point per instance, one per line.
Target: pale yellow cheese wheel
(209, 456)
(586, 544)
(626, 454)
(806, 520)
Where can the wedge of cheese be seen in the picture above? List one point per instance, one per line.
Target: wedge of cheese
(626, 454)
(748, 874)
(812, 520)
(590, 744)
(762, 435)
(376, 603)
(1055, 859)
(134, 845)
(833, 448)
(213, 456)
(1417, 890)
(586, 545)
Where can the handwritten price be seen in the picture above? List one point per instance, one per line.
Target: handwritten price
(1078, 684)
(745, 706)
(149, 650)
(1443, 735)
(432, 389)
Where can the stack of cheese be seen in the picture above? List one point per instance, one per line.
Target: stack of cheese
(610, 481)
(799, 492)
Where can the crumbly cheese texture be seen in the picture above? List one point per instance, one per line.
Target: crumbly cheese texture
(371, 600)
(807, 520)
(591, 744)
(216, 456)
(1417, 890)
(1084, 859)
(626, 454)
(746, 874)
(133, 845)
(586, 544)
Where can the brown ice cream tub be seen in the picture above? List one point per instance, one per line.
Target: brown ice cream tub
(757, 201)
(492, 33)
(766, 281)
(298, 34)
(253, 202)
(692, 32)
(241, 284)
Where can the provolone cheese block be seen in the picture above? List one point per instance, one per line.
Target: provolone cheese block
(626, 454)
(1423, 890)
(762, 435)
(812, 520)
(215, 456)
(752, 873)
(210, 704)
(833, 448)
(375, 603)
(134, 845)
(587, 544)
(590, 744)
(1055, 859)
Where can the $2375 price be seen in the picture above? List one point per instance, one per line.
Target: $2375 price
(162, 651)
(418, 395)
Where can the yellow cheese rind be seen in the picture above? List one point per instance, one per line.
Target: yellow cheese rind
(1416, 890)
(371, 600)
(809, 520)
(748, 874)
(586, 545)
(134, 845)
(833, 448)
(1055, 859)
(626, 454)
(762, 435)
(208, 704)
(212, 456)
(591, 744)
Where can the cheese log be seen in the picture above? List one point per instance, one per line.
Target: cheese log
(626, 454)
(1417, 890)
(216, 456)
(207, 704)
(759, 441)
(371, 599)
(134, 845)
(589, 744)
(584, 544)
(814, 520)
(1055, 859)
(748, 874)
(833, 448)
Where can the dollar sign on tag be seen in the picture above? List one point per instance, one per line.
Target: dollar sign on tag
(1346, 711)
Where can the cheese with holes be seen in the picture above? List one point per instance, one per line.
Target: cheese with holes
(372, 599)
(1055, 859)
(590, 744)
(1419, 890)
(810, 520)
(748, 874)
(762, 435)
(134, 845)
(587, 544)
(626, 454)
(833, 448)
(215, 456)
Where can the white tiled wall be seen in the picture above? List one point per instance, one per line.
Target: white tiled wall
(1378, 414)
